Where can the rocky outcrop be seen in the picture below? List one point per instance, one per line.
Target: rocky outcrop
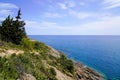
(27, 77)
(82, 72)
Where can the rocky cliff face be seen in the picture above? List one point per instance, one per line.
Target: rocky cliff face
(84, 73)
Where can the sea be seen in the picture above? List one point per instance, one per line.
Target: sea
(102, 53)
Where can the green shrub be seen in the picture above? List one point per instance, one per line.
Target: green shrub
(27, 44)
(37, 45)
(52, 71)
(67, 64)
(7, 69)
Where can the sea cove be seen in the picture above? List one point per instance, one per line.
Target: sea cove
(99, 52)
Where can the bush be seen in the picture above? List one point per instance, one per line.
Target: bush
(52, 71)
(67, 64)
(37, 45)
(27, 44)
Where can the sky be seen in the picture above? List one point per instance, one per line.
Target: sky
(65, 17)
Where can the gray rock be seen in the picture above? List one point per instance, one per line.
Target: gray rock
(27, 77)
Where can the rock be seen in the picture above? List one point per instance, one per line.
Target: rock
(27, 77)
(84, 73)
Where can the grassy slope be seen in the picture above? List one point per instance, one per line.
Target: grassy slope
(36, 60)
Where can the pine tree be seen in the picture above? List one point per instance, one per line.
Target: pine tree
(12, 30)
(5, 29)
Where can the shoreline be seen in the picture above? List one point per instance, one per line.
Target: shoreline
(96, 70)
(85, 67)
(82, 71)
(91, 69)
(86, 70)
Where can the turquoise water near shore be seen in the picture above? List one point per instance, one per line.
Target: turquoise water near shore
(99, 52)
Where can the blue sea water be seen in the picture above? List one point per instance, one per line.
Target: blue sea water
(99, 52)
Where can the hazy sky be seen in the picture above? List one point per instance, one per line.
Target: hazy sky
(66, 17)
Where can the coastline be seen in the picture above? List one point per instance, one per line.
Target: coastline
(90, 70)
(82, 71)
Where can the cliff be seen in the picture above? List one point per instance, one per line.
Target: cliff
(33, 60)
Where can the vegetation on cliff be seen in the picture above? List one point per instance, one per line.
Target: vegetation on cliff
(35, 60)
